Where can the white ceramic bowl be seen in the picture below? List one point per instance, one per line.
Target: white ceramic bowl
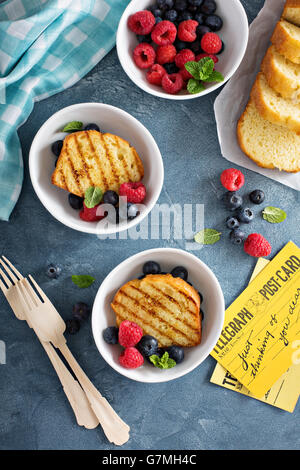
(234, 34)
(203, 280)
(109, 119)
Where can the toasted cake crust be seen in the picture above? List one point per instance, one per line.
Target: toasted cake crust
(165, 307)
(286, 39)
(90, 158)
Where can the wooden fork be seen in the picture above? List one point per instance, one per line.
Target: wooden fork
(75, 394)
(49, 325)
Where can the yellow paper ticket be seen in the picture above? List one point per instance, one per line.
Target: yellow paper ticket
(262, 325)
(283, 394)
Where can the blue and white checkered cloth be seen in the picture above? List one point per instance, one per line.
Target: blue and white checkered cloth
(45, 47)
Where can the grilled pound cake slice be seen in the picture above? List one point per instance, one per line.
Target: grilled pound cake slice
(291, 11)
(274, 107)
(286, 39)
(268, 145)
(90, 158)
(282, 75)
(165, 307)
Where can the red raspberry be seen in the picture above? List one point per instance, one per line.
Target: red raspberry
(185, 74)
(135, 192)
(164, 33)
(211, 43)
(184, 56)
(187, 31)
(155, 74)
(173, 83)
(90, 215)
(144, 55)
(165, 54)
(129, 333)
(204, 54)
(232, 179)
(256, 245)
(131, 358)
(141, 22)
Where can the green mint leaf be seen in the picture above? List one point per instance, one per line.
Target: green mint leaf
(93, 196)
(205, 67)
(208, 236)
(163, 362)
(194, 86)
(215, 77)
(73, 126)
(83, 281)
(274, 215)
(193, 68)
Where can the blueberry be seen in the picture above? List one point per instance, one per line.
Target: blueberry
(185, 16)
(81, 311)
(157, 12)
(195, 3)
(176, 353)
(56, 162)
(151, 267)
(222, 48)
(158, 19)
(214, 22)
(201, 30)
(179, 45)
(171, 68)
(180, 5)
(72, 326)
(201, 297)
(92, 127)
(142, 38)
(200, 18)
(245, 215)
(201, 314)
(148, 345)
(76, 202)
(111, 197)
(132, 211)
(160, 352)
(111, 335)
(232, 200)
(165, 4)
(237, 237)
(208, 7)
(180, 271)
(171, 15)
(53, 271)
(192, 9)
(56, 147)
(232, 223)
(257, 196)
(195, 47)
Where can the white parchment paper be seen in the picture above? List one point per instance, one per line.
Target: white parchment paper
(233, 99)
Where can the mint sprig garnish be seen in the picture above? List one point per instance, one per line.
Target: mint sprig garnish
(73, 126)
(93, 196)
(202, 72)
(83, 280)
(274, 215)
(207, 236)
(163, 362)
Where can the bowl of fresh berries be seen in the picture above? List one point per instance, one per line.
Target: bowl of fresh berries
(158, 315)
(182, 49)
(96, 168)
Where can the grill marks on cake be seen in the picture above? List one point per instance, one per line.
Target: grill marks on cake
(98, 160)
(111, 162)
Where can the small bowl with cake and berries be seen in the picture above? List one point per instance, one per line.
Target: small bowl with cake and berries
(158, 315)
(182, 49)
(96, 168)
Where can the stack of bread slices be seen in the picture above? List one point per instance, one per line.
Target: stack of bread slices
(269, 129)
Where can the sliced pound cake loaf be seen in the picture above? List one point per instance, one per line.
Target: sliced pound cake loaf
(273, 107)
(286, 39)
(282, 75)
(267, 144)
(291, 11)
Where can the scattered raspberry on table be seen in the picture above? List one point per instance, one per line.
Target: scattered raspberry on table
(232, 179)
(256, 245)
